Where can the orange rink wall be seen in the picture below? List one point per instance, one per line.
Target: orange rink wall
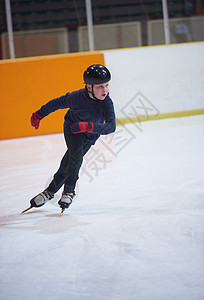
(27, 84)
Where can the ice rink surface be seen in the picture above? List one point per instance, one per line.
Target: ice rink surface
(135, 230)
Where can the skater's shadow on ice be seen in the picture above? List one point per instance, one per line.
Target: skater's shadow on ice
(42, 223)
(7, 219)
(54, 223)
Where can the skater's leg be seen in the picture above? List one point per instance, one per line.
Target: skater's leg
(78, 147)
(54, 186)
(68, 171)
(59, 177)
(64, 172)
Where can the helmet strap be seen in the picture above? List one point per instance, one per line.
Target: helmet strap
(92, 93)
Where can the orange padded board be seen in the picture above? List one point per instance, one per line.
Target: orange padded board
(27, 84)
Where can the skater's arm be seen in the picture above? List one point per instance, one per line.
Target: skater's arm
(53, 105)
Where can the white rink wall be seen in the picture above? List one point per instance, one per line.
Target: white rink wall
(164, 79)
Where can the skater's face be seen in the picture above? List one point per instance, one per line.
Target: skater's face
(100, 90)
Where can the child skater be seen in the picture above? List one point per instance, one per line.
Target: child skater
(91, 113)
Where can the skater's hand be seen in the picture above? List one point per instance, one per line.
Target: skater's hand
(82, 127)
(35, 120)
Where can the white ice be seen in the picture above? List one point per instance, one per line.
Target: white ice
(135, 230)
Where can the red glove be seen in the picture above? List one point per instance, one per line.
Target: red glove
(35, 120)
(82, 127)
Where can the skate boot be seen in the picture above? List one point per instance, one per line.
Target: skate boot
(66, 200)
(41, 198)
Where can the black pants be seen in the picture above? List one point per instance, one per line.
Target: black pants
(68, 172)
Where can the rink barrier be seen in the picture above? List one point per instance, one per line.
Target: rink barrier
(178, 114)
(27, 84)
(158, 79)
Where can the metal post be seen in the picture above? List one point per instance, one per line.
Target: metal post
(9, 28)
(90, 25)
(166, 21)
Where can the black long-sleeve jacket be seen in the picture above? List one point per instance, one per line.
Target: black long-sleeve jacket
(82, 108)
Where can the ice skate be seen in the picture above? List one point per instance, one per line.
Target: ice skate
(41, 198)
(66, 200)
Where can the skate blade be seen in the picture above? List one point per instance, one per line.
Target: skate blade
(26, 209)
(62, 212)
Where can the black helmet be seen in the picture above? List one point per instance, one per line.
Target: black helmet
(96, 74)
